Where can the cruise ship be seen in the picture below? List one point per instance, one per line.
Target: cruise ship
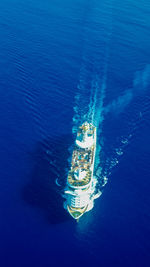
(80, 188)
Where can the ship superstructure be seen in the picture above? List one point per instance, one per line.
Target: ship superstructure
(79, 192)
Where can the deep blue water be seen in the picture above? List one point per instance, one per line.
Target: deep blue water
(63, 62)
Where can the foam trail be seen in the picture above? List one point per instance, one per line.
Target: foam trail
(141, 83)
(92, 102)
(98, 91)
(91, 109)
(80, 101)
(142, 79)
(98, 107)
(119, 104)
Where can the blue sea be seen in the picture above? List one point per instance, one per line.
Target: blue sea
(63, 63)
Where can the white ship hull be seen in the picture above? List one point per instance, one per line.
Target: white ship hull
(79, 192)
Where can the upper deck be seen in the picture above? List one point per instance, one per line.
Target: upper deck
(81, 160)
(77, 183)
(81, 170)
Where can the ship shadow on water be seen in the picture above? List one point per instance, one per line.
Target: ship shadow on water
(50, 160)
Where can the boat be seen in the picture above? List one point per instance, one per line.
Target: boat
(80, 186)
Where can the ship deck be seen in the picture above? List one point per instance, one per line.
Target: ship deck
(82, 159)
(75, 182)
